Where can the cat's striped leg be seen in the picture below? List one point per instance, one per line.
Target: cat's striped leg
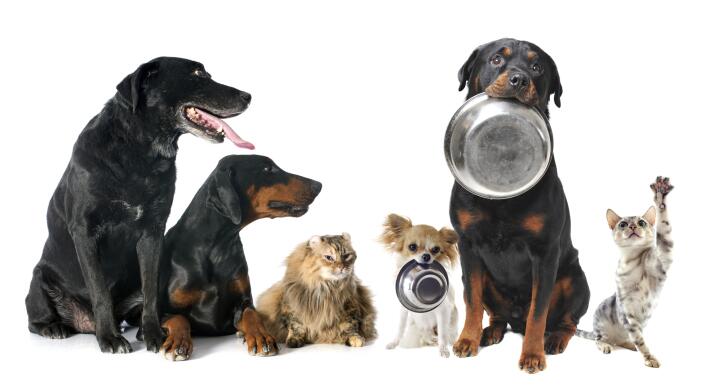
(634, 330)
(665, 244)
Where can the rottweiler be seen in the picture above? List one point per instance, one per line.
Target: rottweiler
(517, 258)
(204, 276)
(106, 219)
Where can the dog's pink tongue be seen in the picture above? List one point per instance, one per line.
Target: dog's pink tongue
(229, 133)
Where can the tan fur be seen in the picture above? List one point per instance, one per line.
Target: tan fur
(326, 308)
(399, 232)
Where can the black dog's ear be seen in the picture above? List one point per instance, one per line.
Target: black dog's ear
(222, 196)
(467, 68)
(556, 86)
(130, 88)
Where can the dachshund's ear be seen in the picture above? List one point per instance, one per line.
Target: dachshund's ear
(468, 67)
(555, 85)
(130, 89)
(222, 196)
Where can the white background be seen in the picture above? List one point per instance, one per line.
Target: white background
(358, 96)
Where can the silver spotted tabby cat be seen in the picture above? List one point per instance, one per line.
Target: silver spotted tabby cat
(641, 272)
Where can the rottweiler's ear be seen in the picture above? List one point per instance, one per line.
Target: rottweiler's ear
(222, 196)
(556, 86)
(467, 68)
(130, 88)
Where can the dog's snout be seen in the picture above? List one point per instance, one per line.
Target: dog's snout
(246, 97)
(519, 80)
(426, 257)
(315, 187)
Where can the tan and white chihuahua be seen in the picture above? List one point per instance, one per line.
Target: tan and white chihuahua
(424, 244)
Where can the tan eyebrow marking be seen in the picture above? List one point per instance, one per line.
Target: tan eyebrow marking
(506, 52)
(531, 55)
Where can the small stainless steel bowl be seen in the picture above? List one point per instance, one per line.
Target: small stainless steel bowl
(421, 287)
(497, 148)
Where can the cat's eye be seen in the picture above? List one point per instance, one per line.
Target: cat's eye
(537, 67)
(412, 247)
(623, 225)
(435, 250)
(329, 258)
(497, 60)
(642, 223)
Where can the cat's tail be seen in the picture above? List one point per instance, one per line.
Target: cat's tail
(587, 335)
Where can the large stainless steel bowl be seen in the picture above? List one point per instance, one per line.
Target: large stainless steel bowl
(497, 148)
(421, 287)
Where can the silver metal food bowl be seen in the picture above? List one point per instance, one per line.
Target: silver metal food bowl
(421, 287)
(497, 148)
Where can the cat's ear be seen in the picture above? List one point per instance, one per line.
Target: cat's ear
(650, 215)
(346, 237)
(612, 219)
(393, 229)
(315, 241)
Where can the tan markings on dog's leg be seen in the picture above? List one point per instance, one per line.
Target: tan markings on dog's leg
(557, 340)
(534, 223)
(530, 96)
(178, 344)
(183, 298)
(469, 340)
(240, 285)
(532, 359)
(258, 340)
(498, 88)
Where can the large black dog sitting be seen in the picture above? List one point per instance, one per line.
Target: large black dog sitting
(517, 258)
(106, 219)
(204, 274)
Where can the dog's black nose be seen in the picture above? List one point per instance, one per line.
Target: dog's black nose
(518, 80)
(426, 257)
(315, 187)
(245, 97)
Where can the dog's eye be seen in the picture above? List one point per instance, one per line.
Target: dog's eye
(412, 247)
(329, 258)
(270, 169)
(623, 225)
(496, 60)
(537, 67)
(642, 223)
(435, 250)
(201, 73)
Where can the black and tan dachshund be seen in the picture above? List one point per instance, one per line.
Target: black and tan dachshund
(517, 257)
(107, 217)
(204, 274)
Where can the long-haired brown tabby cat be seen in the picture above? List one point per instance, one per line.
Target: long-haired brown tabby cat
(320, 300)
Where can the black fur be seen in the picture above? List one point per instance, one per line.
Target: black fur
(107, 217)
(497, 242)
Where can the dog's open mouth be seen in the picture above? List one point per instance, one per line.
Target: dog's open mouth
(292, 209)
(214, 127)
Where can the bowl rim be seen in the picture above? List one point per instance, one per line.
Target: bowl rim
(450, 160)
(411, 264)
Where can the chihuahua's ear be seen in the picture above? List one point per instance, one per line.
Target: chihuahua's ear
(650, 215)
(222, 197)
(393, 229)
(612, 219)
(450, 237)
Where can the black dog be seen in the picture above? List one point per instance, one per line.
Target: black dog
(106, 219)
(517, 258)
(204, 278)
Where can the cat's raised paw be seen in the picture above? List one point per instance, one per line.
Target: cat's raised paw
(652, 362)
(662, 186)
(355, 341)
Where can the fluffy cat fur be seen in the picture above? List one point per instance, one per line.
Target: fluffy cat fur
(640, 275)
(320, 300)
(424, 244)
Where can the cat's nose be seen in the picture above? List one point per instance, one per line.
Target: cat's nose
(633, 226)
(426, 257)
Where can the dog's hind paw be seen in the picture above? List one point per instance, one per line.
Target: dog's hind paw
(492, 335)
(56, 331)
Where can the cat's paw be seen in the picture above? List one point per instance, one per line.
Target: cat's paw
(604, 347)
(532, 362)
(294, 342)
(392, 345)
(355, 341)
(652, 362)
(444, 351)
(661, 188)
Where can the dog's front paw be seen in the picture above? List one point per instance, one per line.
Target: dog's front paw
(444, 351)
(466, 347)
(177, 347)
(492, 335)
(56, 331)
(259, 341)
(294, 342)
(113, 344)
(661, 188)
(355, 341)
(392, 345)
(652, 362)
(532, 362)
(153, 336)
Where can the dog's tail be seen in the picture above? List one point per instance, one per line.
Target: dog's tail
(587, 335)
